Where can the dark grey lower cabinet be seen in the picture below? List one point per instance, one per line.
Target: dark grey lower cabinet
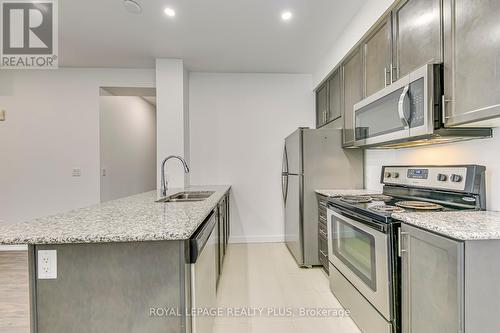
(322, 232)
(221, 227)
(227, 223)
(223, 231)
(448, 285)
(432, 282)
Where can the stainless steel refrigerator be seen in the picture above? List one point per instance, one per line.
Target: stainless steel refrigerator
(313, 159)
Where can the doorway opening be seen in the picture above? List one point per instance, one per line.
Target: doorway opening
(127, 139)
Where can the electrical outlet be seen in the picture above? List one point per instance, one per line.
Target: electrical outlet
(76, 172)
(47, 264)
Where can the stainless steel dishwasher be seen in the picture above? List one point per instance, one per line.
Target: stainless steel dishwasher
(203, 276)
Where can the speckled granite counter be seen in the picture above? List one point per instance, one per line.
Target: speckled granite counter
(470, 225)
(338, 193)
(134, 218)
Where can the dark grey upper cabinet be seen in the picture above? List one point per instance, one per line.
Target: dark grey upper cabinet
(353, 92)
(377, 53)
(417, 35)
(334, 99)
(462, 34)
(322, 105)
(472, 61)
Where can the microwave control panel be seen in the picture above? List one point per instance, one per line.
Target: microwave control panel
(417, 107)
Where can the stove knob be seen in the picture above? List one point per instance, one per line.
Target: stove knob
(456, 178)
(396, 175)
(441, 177)
(388, 175)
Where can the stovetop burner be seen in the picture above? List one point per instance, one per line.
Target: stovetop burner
(381, 206)
(354, 199)
(419, 205)
(387, 209)
(416, 189)
(380, 197)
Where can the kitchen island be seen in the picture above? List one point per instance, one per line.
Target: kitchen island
(117, 263)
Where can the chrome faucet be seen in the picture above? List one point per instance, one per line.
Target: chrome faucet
(164, 183)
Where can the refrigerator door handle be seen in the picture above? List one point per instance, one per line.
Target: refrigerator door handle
(284, 186)
(284, 168)
(284, 175)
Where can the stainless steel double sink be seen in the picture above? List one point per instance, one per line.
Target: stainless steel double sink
(187, 196)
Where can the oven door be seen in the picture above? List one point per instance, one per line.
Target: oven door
(360, 251)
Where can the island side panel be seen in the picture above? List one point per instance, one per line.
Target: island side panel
(113, 287)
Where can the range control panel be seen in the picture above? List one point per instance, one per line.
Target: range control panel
(446, 178)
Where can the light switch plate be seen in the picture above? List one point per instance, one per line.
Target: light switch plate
(47, 264)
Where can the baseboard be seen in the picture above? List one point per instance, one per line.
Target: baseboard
(257, 239)
(13, 248)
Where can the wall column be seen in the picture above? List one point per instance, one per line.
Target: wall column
(172, 116)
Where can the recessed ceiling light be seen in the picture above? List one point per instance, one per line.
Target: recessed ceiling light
(286, 16)
(169, 12)
(132, 7)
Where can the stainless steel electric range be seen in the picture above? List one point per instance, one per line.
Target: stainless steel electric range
(363, 236)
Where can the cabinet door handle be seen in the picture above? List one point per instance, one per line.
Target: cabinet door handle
(386, 73)
(394, 72)
(444, 102)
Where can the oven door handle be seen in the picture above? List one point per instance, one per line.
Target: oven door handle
(360, 219)
(400, 242)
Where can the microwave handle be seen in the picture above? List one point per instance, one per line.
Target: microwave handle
(404, 100)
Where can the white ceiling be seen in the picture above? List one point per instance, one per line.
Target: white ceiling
(210, 35)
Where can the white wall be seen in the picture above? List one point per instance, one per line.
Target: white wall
(52, 127)
(369, 13)
(238, 126)
(483, 152)
(172, 119)
(127, 146)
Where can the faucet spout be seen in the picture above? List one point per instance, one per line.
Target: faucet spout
(164, 183)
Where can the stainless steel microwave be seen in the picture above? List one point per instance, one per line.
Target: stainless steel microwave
(408, 112)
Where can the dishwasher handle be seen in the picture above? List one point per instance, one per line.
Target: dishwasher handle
(200, 238)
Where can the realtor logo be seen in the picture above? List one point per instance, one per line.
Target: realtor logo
(29, 34)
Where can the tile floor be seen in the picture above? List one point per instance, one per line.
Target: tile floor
(266, 276)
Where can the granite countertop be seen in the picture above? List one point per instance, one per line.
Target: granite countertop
(130, 219)
(339, 193)
(461, 225)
